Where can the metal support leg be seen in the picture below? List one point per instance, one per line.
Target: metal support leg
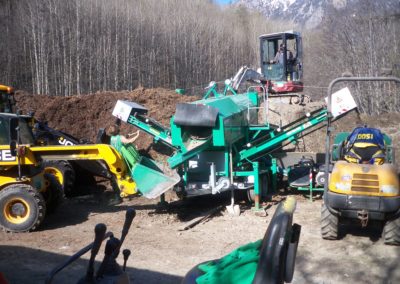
(256, 186)
(232, 208)
(162, 205)
(311, 184)
(274, 174)
(162, 198)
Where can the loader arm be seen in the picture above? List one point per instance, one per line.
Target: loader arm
(33, 155)
(136, 115)
(153, 128)
(246, 74)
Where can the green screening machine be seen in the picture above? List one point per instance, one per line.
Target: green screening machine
(218, 143)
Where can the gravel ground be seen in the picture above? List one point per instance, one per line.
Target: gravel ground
(163, 254)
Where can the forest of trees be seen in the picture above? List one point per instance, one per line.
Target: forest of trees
(362, 43)
(82, 46)
(62, 48)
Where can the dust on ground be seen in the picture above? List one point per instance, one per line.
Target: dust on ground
(163, 254)
(160, 252)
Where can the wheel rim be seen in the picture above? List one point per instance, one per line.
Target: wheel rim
(250, 195)
(296, 100)
(16, 211)
(56, 173)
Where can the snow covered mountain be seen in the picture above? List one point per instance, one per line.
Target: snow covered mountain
(309, 13)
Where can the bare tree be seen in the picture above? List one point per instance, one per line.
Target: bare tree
(75, 47)
(363, 42)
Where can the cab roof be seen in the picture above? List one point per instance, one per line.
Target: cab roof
(7, 89)
(289, 34)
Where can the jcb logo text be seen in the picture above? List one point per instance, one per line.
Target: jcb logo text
(65, 142)
(5, 156)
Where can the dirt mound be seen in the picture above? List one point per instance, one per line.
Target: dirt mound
(281, 113)
(82, 116)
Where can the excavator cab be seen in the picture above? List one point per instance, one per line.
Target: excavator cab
(283, 72)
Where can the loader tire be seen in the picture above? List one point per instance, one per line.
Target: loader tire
(329, 224)
(22, 208)
(64, 173)
(53, 194)
(391, 232)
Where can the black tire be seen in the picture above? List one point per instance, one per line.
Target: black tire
(53, 195)
(84, 177)
(264, 185)
(295, 100)
(250, 195)
(273, 252)
(68, 174)
(391, 232)
(25, 199)
(306, 99)
(329, 224)
(291, 253)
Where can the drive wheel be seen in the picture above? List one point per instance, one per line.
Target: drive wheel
(306, 99)
(251, 197)
(22, 208)
(295, 100)
(265, 185)
(53, 194)
(391, 232)
(329, 224)
(64, 173)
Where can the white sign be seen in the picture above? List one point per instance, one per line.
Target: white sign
(342, 102)
(122, 110)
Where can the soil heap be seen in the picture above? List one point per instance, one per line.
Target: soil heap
(83, 115)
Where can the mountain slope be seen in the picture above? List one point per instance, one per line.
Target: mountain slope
(310, 13)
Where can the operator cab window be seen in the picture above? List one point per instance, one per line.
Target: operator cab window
(25, 133)
(4, 137)
(6, 102)
(270, 50)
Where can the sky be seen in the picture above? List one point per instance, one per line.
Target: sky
(222, 2)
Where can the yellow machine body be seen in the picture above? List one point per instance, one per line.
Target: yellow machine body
(33, 155)
(6, 89)
(364, 179)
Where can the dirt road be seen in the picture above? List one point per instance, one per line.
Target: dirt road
(163, 254)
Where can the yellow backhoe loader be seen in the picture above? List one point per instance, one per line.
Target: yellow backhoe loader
(27, 192)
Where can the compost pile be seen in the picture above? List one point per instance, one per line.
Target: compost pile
(83, 115)
(283, 113)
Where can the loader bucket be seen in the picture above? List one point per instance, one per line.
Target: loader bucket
(150, 180)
